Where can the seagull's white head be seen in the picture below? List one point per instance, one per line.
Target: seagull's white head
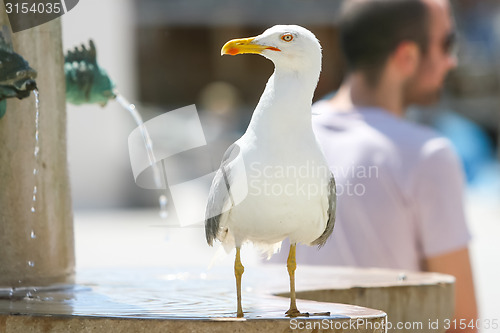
(287, 46)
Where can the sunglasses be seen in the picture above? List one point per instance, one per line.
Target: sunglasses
(449, 44)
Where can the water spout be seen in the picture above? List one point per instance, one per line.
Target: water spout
(17, 78)
(86, 81)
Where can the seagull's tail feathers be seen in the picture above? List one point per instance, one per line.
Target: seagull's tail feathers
(211, 229)
(267, 249)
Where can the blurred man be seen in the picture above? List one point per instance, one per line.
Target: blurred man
(399, 185)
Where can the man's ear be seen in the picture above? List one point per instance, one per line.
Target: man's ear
(406, 58)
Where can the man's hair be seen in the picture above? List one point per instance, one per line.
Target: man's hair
(370, 30)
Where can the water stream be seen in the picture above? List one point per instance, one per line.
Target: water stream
(36, 167)
(148, 143)
(36, 151)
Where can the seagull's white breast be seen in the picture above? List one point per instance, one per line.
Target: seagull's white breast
(287, 191)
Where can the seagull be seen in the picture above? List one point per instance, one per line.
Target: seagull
(274, 182)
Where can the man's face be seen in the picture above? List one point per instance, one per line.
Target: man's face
(425, 87)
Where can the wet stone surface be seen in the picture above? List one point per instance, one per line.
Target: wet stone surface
(162, 293)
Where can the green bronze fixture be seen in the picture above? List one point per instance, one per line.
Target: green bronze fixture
(17, 78)
(86, 82)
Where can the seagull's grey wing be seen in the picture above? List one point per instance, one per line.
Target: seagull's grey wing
(219, 194)
(332, 204)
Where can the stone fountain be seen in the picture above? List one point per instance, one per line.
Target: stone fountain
(43, 238)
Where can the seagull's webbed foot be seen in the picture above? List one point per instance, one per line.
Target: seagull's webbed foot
(296, 313)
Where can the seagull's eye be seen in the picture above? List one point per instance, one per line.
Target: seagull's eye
(287, 37)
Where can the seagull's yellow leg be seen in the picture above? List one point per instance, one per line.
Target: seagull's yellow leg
(238, 272)
(292, 265)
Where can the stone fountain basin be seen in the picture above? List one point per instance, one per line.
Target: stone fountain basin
(193, 300)
(157, 300)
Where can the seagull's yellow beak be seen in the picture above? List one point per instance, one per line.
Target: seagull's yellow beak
(244, 45)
